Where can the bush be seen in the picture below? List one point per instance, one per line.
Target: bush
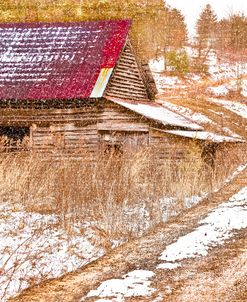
(178, 60)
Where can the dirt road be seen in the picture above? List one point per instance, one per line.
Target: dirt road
(220, 276)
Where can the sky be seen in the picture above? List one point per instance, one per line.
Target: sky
(192, 8)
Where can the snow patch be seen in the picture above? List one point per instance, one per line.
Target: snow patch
(34, 247)
(221, 90)
(168, 82)
(214, 230)
(133, 284)
(236, 107)
(219, 69)
(168, 265)
(236, 172)
(157, 65)
(244, 88)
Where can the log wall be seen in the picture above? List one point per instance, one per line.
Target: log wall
(169, 146)
(127, 81)
(80, 129)
(87, 129)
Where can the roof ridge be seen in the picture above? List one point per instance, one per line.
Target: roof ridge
(62, 23)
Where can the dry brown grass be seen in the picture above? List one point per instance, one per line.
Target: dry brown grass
(123, 196)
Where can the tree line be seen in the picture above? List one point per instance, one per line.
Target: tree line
(228, 34)
(157, 29)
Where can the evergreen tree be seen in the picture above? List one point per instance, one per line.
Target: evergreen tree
(232, 33)
(238, 38)
(206, 27)
(177, 33)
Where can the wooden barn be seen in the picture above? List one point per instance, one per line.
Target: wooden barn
(70, 87)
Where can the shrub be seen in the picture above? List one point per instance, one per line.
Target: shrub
(178, 60)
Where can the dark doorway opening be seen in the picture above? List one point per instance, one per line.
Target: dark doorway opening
(12, 137)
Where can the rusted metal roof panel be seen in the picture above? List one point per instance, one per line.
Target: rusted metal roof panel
(59, 60)
(101, 83)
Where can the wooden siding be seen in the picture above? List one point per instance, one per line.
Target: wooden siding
(80, 129)
(149, 81)
(168, 146)
(65, 138)
(127, 80)
(87, 128)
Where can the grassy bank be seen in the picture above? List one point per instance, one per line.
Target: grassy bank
(105, 189)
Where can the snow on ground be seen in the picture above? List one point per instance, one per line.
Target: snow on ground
(168, 82)
(224, 89)
(34, 247)
(236, 173)
(221, 90)
(164, 81)
(167, 205)
(157, 65)
(217, 68)
(220, 69)
(244, 87)
(214, 230)
(197, 117)
(134, 284)
(236, 107)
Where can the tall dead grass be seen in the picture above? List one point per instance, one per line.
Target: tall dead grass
(121, 197)
(121, 194)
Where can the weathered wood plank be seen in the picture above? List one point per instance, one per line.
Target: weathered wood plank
(126, 81)
(123, 127)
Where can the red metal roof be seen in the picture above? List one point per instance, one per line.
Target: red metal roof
(57, 60)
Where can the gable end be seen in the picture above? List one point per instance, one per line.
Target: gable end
(127, 81)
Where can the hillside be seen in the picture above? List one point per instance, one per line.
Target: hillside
(199, 254)
(208, 100)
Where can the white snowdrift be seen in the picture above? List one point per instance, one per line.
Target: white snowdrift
(133, 284)
(35, 247)
(214, 230)
(221, 90)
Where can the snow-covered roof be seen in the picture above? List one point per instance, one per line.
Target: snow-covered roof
(208, 116)
(157, 113)
(204, 135)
